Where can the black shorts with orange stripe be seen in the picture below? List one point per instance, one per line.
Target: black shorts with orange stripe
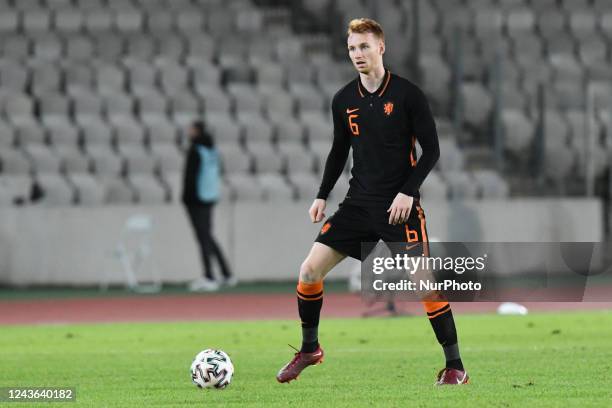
(352, 225)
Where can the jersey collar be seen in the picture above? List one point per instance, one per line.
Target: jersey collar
(381, 89)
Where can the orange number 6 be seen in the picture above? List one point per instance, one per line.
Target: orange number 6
(354, 127)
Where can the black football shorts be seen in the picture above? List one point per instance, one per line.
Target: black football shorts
(353, 225)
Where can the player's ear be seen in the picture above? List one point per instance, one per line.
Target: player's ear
(381, 47)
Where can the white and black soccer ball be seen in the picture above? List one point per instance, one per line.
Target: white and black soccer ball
(212, 368)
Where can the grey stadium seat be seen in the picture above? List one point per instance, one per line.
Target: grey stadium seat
(138, 161)
(118, 191)
(461, 185)
(160, 131)
(434, 187)
(62, 132)
(14, 162)
(129, 20)
(288, 131)
(7, 135)
(518, 130)
(174, 181)
(477, 103)
(18, 108)
(308, 98)
(68, 20)
(110, 79)
(224, 128)
(53, 106)
(56, 190)
(306, 185)
(267, 160)
(79, 48)
(73, 159)
(43, 159)
(106, 163)
(491, 184)
(559, 161)
(451, 157)
(48, 47)
(14, 77)
(16, 47)
(16, 187)
(36, 21)
(109, 46)
(256, 128)
(89, 190)
(583, 23)
(270, 75)
(279, 104)
(276, 187)
(174, 78)
(169, 157)
(30, 133)
(9, 21)
(245, 187)
(118, 105)
(128, 131)
(215, 100)
(234, 159)
(299, 160)
(148, 189)
(184, 107)
(246, 99)
(95, 131)
(78, 77)
(317, 127)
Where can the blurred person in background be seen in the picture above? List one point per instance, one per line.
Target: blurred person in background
(200, 194)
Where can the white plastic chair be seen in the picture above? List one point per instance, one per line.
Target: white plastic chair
(133, 251)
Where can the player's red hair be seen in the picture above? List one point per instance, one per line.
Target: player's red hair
(365, 25)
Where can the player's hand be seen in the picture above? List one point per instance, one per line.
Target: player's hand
(400, 209)
(316, 210)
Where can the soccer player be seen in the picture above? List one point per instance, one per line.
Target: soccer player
(380, 116)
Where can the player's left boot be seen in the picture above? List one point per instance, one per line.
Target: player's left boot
(451, 376)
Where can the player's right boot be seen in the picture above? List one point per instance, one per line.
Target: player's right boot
(451, 376)
(300, 361)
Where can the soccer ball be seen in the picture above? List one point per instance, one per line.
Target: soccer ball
(212, 368)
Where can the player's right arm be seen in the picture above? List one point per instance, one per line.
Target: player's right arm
(336, 160)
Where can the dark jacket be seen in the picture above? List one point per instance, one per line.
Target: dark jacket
(201, 173)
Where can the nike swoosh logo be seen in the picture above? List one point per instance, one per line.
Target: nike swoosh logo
(352, 110)
(460, 381)
(410, 247)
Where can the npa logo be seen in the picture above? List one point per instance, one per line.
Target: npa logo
(388, 108)
(325, 228)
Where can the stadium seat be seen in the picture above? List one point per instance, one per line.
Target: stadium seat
(29, 133)
(14, 162)
(246, 99)
(127, 131)
(79, 48)
(118, 105)
(275, 187)
(89, 191)
(171, 46)
(53, 107)
(461, 185)
(592, 49)
(169, 158)
(149, 189)
(48, 47)
(306, 185)
(267, 159)
(16, 47)
(98, 20)
(13, 77)
(73, 159)
(7, 135)
(245, 187)
(287, 131)
(174, 183)
(174, 78)
(18, 108)
(43, 159)
(110, 79)
(56, 191)
(234, 159)
(129, 20)
(190, 20)
(36, 21)
(518, 130)
(256, 128)
(308, 97)
(490, 184)
(106, 163)
(68, 20)
(451, 157)
(299, 160)
(9, 21)
(224, 129)
(317, 127)
(118, 191)
(520, 21)
(434, 188)
(95, 131)
(159, 20)
(185, 107)
(559, 161)
(215, 100)
(272, 75)
(477, 103)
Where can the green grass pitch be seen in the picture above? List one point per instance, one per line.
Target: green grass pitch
(537, 360)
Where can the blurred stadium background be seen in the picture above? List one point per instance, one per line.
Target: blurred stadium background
(95, 96)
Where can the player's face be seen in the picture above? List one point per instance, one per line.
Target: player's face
(366, 51)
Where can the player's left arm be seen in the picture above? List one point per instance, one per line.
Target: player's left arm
(425, 132)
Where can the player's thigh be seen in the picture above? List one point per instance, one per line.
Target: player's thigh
(320, 260)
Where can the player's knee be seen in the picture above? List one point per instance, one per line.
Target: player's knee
(309, 274)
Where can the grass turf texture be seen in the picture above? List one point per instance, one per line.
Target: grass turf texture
(537, 360)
